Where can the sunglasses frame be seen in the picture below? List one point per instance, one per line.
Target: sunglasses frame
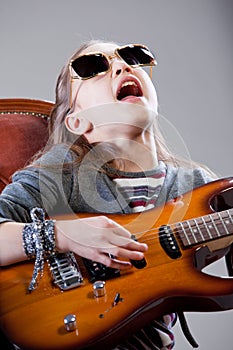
(108, 58)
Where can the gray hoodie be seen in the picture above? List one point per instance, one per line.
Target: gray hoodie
(82, 187)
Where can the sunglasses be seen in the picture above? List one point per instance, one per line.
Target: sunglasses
(97, 63)
(93, 64)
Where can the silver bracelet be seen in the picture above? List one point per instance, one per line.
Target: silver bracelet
(38, 243)
(49, 237)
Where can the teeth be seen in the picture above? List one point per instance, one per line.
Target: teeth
(126, 83)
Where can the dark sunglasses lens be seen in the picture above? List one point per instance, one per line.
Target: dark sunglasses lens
(88, 66)
(135, 55)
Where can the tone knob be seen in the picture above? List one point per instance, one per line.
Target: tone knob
(99, 288)
(70, 323)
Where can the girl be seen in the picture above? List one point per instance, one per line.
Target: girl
(105, 155)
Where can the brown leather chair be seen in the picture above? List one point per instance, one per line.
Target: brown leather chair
(23, 132)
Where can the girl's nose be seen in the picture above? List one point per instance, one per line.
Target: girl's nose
(119, 67)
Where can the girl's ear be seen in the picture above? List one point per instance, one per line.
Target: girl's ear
(79, 126)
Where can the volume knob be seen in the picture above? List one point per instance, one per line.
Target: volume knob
(99, 288)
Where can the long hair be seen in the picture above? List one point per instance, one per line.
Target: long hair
(59, 133)
(57, 129)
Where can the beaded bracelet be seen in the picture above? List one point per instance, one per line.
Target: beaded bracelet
(38, 242)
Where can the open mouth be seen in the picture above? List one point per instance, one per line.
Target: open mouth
(129, 88)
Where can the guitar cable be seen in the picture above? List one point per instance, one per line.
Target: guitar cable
(186, 330)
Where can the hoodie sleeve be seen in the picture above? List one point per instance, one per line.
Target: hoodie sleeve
(45, 184)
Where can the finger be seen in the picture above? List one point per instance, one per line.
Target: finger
(105, 259)
(114, 263)
(127, 242)
(121, 231)
(135, 245)
(121, 252)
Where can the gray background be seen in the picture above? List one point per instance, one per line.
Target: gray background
(192, 40)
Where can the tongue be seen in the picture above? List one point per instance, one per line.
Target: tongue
(129, 90)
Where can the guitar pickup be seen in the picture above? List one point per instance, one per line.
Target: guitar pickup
(98, 271)
(65, 271)
(168, 242)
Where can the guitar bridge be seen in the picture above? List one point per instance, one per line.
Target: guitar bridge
(65, 270)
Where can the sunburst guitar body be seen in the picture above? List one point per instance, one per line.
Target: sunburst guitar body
(183, 237)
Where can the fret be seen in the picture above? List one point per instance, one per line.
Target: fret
(183, 235)
(221, 220)
(205, 228)
(214, 226)
(197, 231)
(211, 226)
(201, 230)
(223, 224)
(191, 231)
(228, 221)
(229, 216)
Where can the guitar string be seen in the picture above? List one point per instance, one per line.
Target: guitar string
(218, 220)
(173, 226)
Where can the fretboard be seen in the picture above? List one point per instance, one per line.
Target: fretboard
(205, 228)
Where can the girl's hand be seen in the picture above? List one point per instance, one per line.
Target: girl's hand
(97, 238)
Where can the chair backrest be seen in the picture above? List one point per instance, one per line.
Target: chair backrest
(23, 132)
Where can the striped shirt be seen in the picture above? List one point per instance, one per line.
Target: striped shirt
(141, 191)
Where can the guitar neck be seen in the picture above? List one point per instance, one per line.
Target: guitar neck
(205, 228)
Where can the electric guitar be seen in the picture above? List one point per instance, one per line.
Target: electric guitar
(183, 237)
